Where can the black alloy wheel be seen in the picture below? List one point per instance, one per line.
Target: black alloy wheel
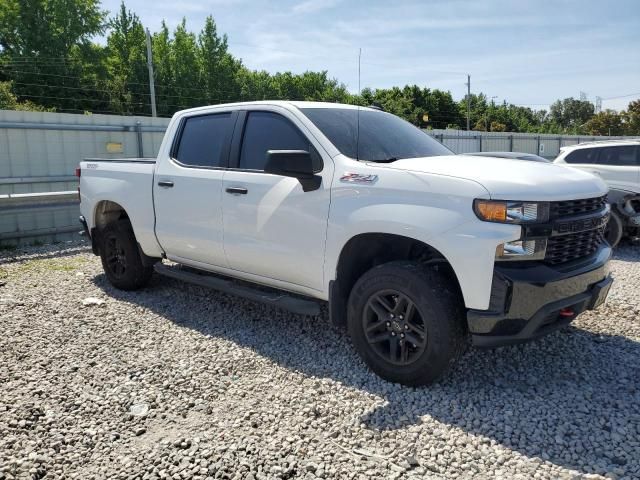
(406, 320)
(394, 327)
(122, 258)
(116, 259)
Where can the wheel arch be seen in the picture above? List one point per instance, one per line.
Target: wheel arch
(107, 211)
(367, 250)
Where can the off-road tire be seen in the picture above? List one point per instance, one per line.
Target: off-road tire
(440, 306)
(125, 271)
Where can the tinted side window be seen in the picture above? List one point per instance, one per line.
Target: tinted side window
(622, 156)
(203, 139)
(582, 155)
(268, 131)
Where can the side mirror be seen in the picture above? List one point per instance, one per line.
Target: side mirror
(293, 163)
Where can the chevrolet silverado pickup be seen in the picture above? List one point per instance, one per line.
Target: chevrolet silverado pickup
(414, 249)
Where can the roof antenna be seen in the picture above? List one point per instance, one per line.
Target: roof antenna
(358, 106)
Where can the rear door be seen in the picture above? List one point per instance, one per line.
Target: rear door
(618, 166)
(272, 228)
(187, 190)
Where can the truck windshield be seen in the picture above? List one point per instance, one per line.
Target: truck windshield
(382, 137)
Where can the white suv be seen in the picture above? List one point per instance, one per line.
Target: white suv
(617, 162)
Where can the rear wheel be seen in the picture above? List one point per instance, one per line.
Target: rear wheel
(614, 229)
(406, 322)
(121, 258)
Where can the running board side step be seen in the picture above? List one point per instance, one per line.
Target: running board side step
(275, 298)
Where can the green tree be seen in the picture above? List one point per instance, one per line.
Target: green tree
(631, 118)
(45, 45)
(162, 44)
(571, 114)
(498, 127)
(126, 57)
(218, 68)
(607, 122)
(188, 89)
(8, 100)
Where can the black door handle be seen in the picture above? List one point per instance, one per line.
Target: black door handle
(237, 190)
(165, 183)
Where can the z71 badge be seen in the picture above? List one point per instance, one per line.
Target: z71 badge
(349, 177)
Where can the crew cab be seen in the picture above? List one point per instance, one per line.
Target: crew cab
(617, 162)
(416, 250)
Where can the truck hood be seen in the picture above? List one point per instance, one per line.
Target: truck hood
(508, 179)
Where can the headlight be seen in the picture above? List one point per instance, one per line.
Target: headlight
(522, 250)
(502, 211)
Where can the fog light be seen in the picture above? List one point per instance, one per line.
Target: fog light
(521, 250)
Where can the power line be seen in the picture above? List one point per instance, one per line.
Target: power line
(622, 96)
(175, 87)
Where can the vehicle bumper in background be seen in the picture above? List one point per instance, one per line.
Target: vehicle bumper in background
(532, 300)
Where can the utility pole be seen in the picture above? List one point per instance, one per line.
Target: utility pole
(468, 102)
(359, 57)
(152, 86)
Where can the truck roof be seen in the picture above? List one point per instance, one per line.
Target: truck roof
(282, 103)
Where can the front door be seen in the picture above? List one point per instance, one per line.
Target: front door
(187, 190)
(272, 228)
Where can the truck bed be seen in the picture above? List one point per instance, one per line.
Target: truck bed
(130, 181)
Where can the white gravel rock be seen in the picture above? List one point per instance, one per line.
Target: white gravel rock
(90, 301)
(179, 382)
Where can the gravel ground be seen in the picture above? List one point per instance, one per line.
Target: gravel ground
(179, 382)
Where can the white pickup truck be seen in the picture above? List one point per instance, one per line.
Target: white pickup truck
(416, 250)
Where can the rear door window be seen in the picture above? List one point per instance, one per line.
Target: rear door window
(203, 140)
(582, 155)
(624, 156)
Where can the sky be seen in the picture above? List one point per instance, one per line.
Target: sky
(523, 51)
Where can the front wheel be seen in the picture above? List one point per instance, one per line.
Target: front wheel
(121, 258)
(406, 322)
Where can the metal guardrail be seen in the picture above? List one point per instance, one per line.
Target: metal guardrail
(16, 203)
(40, 232)
(52, 179)
(18, 200)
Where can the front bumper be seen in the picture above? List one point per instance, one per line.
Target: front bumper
(532, 300)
